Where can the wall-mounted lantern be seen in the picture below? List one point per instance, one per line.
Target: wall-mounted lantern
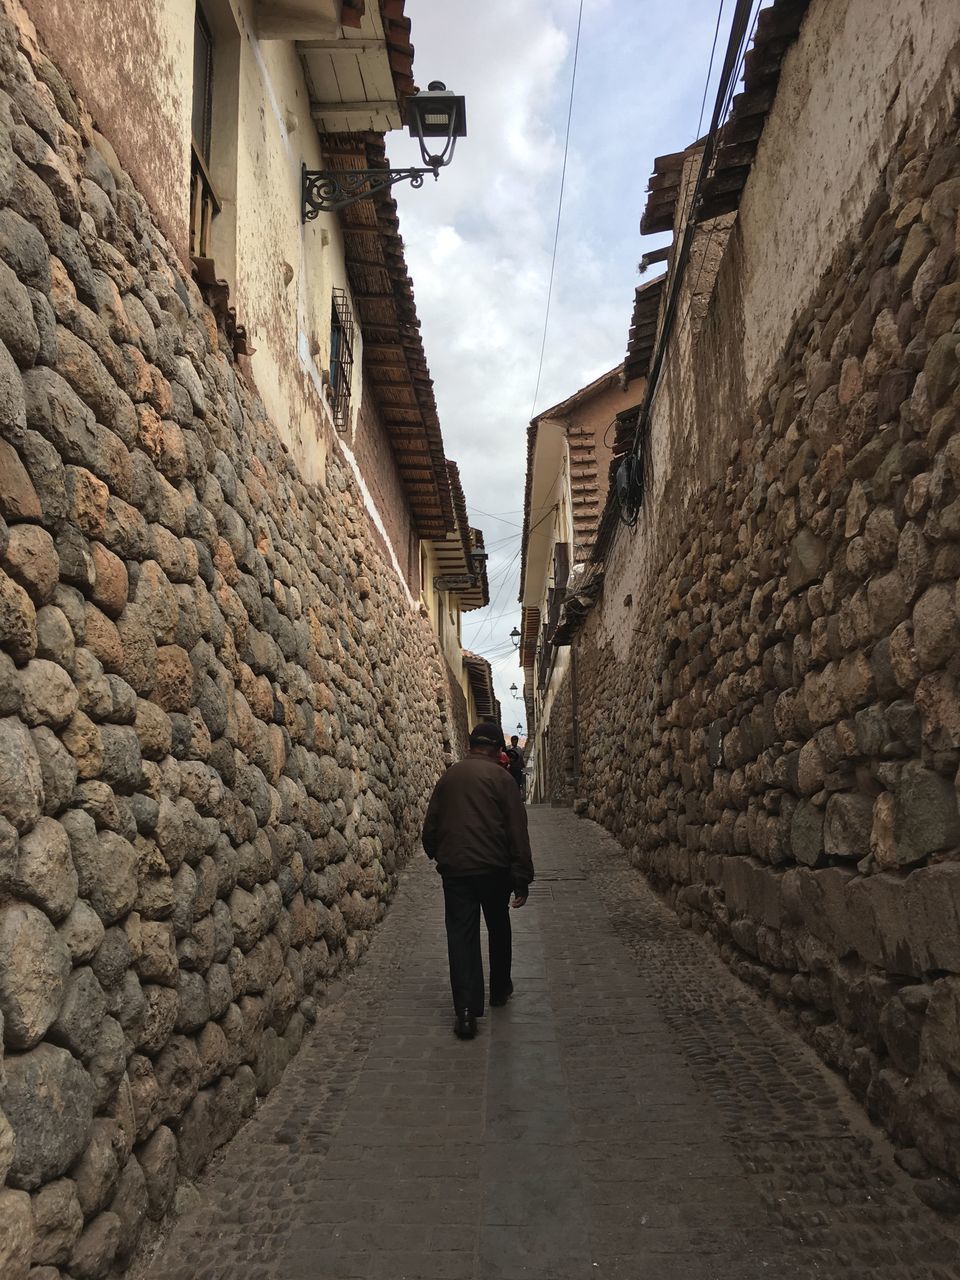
(432, 113)
(515, 637)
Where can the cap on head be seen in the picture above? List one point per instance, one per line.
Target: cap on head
(485, 735)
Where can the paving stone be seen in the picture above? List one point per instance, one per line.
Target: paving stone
(633, 1113)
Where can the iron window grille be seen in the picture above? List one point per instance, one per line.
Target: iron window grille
(341, 358)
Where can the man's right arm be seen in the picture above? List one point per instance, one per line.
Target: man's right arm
(521, 858)
(431, 823)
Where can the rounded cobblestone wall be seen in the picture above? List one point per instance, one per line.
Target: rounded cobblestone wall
(219, 715)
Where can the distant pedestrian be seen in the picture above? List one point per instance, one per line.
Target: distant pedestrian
(476, 832)
(515, 758)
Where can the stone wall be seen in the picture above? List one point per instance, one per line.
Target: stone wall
(780, 746)
(149, 64)
(557, 754)
(219, 715)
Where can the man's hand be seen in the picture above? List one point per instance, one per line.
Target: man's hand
(519, 900)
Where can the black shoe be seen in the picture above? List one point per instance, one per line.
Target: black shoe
(465, 1027)
(500, 998)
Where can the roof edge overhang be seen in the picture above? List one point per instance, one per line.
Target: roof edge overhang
(395, 366)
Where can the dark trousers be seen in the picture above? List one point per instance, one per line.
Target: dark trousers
(464, 897)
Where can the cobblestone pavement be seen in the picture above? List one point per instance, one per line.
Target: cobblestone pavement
(633, 1114)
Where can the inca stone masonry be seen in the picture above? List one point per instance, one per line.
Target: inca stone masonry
(768, 695)
(219, 715)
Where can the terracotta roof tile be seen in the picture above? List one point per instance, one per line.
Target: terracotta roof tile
(480, 675)
(396, 31)
(643, 329)
(394, 358)
(777, 29)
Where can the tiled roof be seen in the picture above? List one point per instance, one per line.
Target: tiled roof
(480, 675)
(479, 596)
(361, 77)
(527, 500)
(529, 634)
(643, 329)
(396, 31)
(455, 553)
(776, 31)
(394, 361)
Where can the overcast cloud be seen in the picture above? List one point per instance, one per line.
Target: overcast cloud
(479, 241)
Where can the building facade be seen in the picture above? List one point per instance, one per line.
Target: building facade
(570, 450)
(453, 581)
(766, 638)
(229, 535)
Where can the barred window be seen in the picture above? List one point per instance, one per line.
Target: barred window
(341, 358)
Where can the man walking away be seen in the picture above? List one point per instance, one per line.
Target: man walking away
(476, 831)
(515, 757)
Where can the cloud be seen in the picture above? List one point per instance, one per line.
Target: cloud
(479, 240)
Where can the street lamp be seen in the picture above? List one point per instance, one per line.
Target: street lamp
(515, 637)
(433, 113)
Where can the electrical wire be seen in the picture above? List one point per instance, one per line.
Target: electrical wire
(501, 542)
(713, 228)
(736, 43)
(497, 515)
(630, 520)
(476, 622)
(706, 86)
(506, 574)
(556, 233)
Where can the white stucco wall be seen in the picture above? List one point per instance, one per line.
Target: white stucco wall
(857, 78)
(284, 271)
(858, 75)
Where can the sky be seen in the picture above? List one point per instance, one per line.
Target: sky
(479, 240)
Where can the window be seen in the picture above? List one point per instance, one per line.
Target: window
(202, 85)
(341, 358)
(204, 202)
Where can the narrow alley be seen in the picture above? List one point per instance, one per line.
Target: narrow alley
(634, 1113)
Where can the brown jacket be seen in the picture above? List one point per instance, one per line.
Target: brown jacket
(476, 822)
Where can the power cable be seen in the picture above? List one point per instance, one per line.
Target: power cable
(706, 85)
(632, 473)
(502, 576)
(713, 229)
(506, 572)
(476, 622)
(494, 515)
(556, 233)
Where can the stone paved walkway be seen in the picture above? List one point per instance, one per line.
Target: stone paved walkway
(633, 1114)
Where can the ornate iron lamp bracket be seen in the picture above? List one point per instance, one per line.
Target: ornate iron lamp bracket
(327, 190)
